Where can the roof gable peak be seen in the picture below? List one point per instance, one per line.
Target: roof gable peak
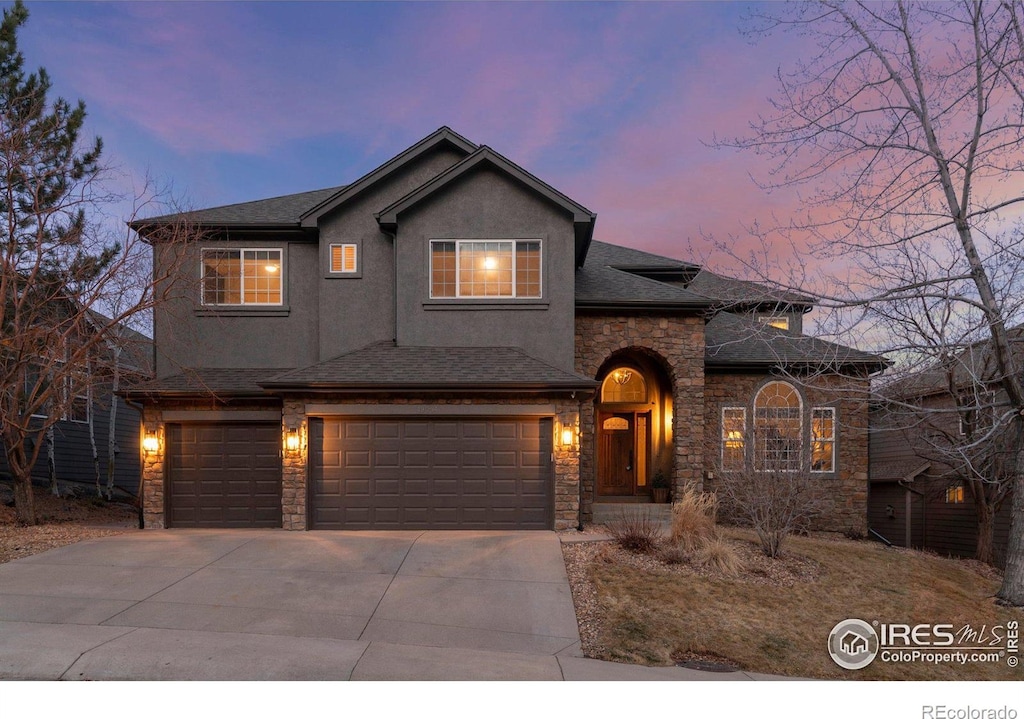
(444, 135)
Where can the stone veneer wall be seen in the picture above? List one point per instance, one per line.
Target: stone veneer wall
(677, 342)
(847, 487)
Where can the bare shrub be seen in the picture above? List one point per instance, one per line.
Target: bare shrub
(636, 532)
(719, 554)
(775, 502)
(693, 518)
(672, 553)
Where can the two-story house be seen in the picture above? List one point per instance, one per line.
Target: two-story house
(443, 344)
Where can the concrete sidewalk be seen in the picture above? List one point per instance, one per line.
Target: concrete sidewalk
(274, 605)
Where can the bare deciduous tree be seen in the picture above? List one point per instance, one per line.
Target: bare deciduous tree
(903, 127)
(62, 299)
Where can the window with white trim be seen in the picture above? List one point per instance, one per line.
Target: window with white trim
(343, 259)
(734, 437)
(777, 428)
(241, 277)
(823, 439)
(485, 269)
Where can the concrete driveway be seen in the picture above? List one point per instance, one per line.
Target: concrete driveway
(270, 604)
(275, 605)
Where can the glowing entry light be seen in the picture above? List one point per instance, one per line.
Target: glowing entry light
(291, 440)
(151, 443)
(567, 436)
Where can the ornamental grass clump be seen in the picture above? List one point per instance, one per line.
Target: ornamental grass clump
(693, 519)
(636, 532)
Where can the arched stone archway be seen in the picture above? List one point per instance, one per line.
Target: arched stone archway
(670, 345)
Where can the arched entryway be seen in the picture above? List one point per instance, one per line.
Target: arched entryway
(633, 418)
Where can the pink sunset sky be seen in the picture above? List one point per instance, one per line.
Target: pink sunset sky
(613, 104)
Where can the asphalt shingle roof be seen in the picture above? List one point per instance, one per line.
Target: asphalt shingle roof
(209, 382)
(897, 471)
(598, 281)
(384, 365)
(735, 340)
(729, 291)
(283, 210)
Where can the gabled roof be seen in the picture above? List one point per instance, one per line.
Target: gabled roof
(583, 219)
(442, 136)
(734, 341)
(608, 279)
(383, 366)
(899, 471)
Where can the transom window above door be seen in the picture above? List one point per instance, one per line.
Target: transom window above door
(624, 385)
(485, 268)
(241, 277)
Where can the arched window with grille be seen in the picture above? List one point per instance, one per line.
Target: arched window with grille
(777, 428)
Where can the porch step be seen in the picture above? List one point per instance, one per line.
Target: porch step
(606, 512)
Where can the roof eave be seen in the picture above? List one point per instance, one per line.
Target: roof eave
(429, 387)
(311, 217)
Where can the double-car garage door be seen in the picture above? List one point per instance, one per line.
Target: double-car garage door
(368, 473)
(399, 473)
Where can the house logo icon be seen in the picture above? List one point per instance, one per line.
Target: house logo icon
(853, 644)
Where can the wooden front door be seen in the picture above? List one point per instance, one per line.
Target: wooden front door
(616, 454)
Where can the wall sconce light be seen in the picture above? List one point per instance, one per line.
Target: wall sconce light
(151, 442)
(567, 436)
(292, 440)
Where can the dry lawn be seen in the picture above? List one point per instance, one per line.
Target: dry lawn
(776, 615)
(61, 521)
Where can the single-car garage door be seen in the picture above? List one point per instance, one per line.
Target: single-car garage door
(398, 473)
(224, 475)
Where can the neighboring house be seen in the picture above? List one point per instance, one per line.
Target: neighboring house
(443, 344)
(918, 494)
(90, 403)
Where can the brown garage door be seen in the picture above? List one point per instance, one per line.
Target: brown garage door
(375, 473)
(224, 475)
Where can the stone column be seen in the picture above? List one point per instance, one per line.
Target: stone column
(294, 467)
(153, 472)
(567, 466)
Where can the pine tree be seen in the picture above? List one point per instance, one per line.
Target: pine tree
(50, 266)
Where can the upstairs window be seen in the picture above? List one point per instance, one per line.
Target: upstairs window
(955, 494)
(777, 428)
(241, 277)
(485, 269)
(343, 259)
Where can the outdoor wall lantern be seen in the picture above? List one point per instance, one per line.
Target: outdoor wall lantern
(292, 440)
(568, 435)
(151, 442)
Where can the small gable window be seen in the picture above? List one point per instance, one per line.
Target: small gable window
(624, 386)
(777, 321)
(343, 259)
(955, 494)
(485, 268)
